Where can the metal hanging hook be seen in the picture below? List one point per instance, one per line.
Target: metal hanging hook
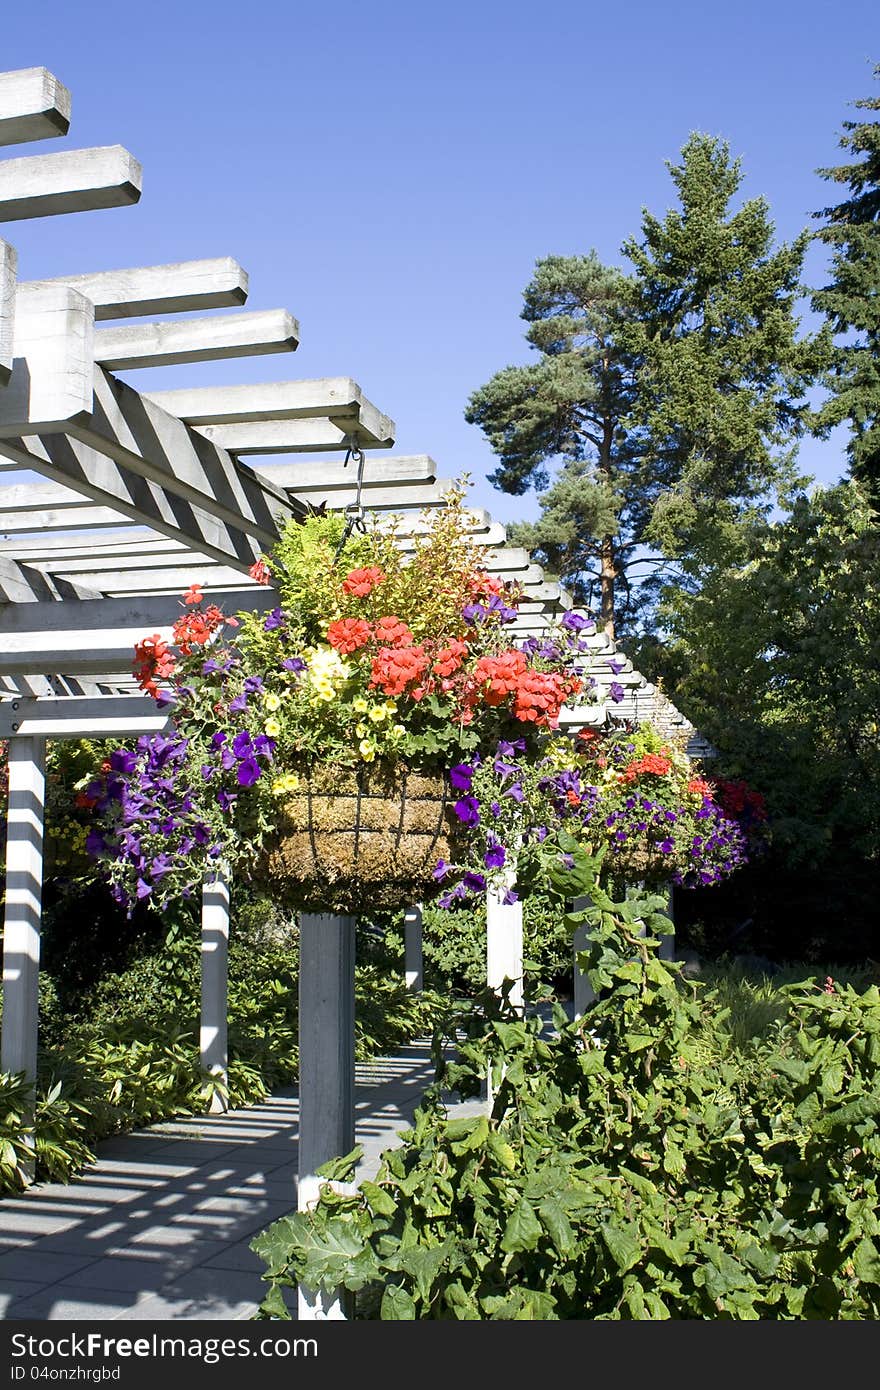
(354, 512)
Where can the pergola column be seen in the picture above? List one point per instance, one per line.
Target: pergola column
(326, 1070)
(583, 991)
(213, 1046)
(504, 944)
(667, 940)
(413, 960)
(24, 891)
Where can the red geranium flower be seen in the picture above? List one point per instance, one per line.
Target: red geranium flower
(361, 583)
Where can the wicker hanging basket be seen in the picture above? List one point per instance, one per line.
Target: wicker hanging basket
(353, 841)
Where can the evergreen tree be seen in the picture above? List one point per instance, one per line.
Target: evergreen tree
(852, 300)
(568, 406)
(722, 377)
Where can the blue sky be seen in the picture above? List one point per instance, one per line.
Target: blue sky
(391, 172)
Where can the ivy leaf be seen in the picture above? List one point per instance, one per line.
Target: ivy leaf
(866, 1262)
(378, 1198)
(341, 1169)
(274, 1306)
(623, 1244)
(397, 1305)
(523, 1229)
(557, 1225)
(424, 1264)
(502, 1151)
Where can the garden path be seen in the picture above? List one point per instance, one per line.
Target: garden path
(159, 1227)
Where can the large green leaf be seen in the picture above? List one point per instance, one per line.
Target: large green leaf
(523, 1229)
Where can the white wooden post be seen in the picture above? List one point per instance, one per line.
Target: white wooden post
(213, 1046)
(326, 1070)
(584, 994)
(413, 962)
(24, 891)
(504, 944)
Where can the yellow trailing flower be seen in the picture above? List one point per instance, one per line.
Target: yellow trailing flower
(327, 671)
(368, 749)
(272, 728)
(288, 782)
(272, 701)
(378, 714)
(360, 705)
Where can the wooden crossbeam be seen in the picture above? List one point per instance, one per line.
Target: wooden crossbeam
(34, 105)
(102, 716)
(196, 340)
(180, 287)
(293, 437)
(390, 498)
(337, 399)
(45, 185)
(407, 470)
(96, 636)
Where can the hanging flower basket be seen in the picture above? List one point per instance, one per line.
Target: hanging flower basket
(359, 840)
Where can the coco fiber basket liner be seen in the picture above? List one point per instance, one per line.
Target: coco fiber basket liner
(352, 841)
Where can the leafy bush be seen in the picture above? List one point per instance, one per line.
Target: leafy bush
(641, 1163)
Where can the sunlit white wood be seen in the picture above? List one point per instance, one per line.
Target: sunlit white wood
(99, 716)
(34, 105)
(196, 340)
(51, 381)
(45, 185)
(179, 287)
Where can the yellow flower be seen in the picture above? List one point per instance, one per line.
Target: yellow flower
(272, 701)
(362, 730)
(360, 705)
(391, 706)
(367, 749)
(288, 782)
(397, 731)
(378, 714)
(272, 728)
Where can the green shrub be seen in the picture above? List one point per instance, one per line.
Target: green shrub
(636, 1164)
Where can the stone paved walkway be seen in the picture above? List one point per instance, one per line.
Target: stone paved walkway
(159, 1227)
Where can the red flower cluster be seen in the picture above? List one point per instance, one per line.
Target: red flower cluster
(698, 786)
(393, 632)
(449, 659)
(657, 764)
(484, 585)
(540, 696)
(349, 634)
(153, 661)
(194, 629)
(496, 677)
(260, 571)
(397, 670)
(362, 582)
(737, 799)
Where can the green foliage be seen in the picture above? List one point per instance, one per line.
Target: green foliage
(637, 1164)
(852, 229)
(780, 667)
(454, 946)
(722, 378)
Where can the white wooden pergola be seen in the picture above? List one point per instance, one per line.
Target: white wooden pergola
(116, 498)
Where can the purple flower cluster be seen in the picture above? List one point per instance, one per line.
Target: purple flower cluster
(476, 613)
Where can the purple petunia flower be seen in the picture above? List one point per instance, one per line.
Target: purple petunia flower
(253, 685)
(294, 664)
(122, 760)
(476, 883)
(515, 792)
(461, 777)
(615, 691)
(440, 871)
(239, 704)
(143, 889)
(217, 740)
(495, 855)
(510, 897)
(241, 744)
(467, 809)
(666, 846)
(248, 772)
(273, 620)
(574, 622)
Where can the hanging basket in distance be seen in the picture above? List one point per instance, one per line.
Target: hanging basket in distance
(356, 840)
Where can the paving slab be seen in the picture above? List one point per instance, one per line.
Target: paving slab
(159, 1227)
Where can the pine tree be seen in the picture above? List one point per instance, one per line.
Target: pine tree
(568, 406)
(852, 300)
(722, 377)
